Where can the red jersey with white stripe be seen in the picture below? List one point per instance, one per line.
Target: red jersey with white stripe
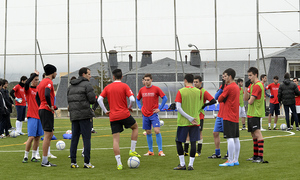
(150, 99)
(116, 94)
(33, 108)
(20, 93)
(45, 83)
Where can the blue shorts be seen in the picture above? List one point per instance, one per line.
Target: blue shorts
(34, 127)
(219, 125)
(21, 111)
(151, 120)
(183, 131)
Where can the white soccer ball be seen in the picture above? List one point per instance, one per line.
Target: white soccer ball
(133, 162)
(13, 134)
(161, 122)
(283, 126)
(60, 145)
(68, 132)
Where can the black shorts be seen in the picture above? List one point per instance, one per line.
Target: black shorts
(183, 131)
(201, 125)
(117, 126)
(274, 107)
(47, 120)
(21, 113)
(231, 129)
(253, 124)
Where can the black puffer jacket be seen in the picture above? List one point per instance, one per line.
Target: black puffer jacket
(80, 96)
(287, 92)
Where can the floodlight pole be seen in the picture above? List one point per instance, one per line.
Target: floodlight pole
(136, 55)
(175, 29)
(5, 36)
(257, 33)
(68, 6)
(216, 35)
(35, 36)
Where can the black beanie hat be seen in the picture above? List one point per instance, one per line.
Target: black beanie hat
(49, 69)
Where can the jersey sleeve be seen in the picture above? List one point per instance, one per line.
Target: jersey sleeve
(16, 88)
(128, 91)
(160, 92)
(207, 96)
(269, 86)
(256, 91)
(103, 93)
(178, 97)
(139, 96)
(225, 92)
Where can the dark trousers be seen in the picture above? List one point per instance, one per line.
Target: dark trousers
(81, 127)
(294, 114)
(292, 119)
(4, 124)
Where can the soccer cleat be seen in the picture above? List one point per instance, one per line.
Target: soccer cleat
(269, 128)
(161, 153)
(197, 154)
(33, 159)
(180, 167)
(89, 165)
(226, 164)
(48, 164)
(275, 128)
(252, 158)
(93, 131)
(186, 153)
(291, 127)
(52, 156)
(149, 153)
(74, 165)
(225, 157)
(120, 167)
(258, 160)
(25, 160)
(214, 156)
(190, 168)
(134, 153)
(244, 128)
(21, 133)
(297, 129)
(38, 156)
(236, 163)
(288, 129)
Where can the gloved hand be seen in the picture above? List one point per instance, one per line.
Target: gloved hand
(272, 96)
(55, 107)
(247, 83)
(223, 84)
(19, 100)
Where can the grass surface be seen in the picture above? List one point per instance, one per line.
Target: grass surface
(281, 150)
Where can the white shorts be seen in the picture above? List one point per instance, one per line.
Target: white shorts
(242, 112)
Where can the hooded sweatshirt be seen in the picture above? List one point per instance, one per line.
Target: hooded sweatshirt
(287, 92)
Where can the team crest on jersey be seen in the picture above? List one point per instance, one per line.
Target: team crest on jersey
(49, 85)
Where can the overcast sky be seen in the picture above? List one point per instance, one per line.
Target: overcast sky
(195, 24)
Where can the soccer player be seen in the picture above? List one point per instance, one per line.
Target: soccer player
(19, 95)
(45, 100)
(3, 126)
(230, 97)
(242, 111)
(205, 96)
(256, 110)
(34, 125)
(274, 104)
(188, 105)
(119, 114)
(297, 99)
(150, 109)
(9, 104)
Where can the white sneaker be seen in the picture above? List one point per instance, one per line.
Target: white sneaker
(37, 156)
(52, 156)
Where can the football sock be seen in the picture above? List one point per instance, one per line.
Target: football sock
(200, 146)
(274, 125)
(159, 141)
(237, 147)
(179, 148)
(150, 142)
(193, 149)
(37, 151)
(18, 126)
(133, 145)
(186, 146)
(231, 149)
(118, 159)
(181, 159)
(26, 154)
(218, 151)
(45, 159)
(244, 125)
(33, 153)
(269, 124)
(255, 147)
(49, 150)
(191, 163)
(260, 148)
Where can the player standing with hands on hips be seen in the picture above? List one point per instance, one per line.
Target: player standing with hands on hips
(119, 114)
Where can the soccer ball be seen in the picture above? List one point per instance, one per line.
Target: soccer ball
(60, 145)
(133, 162)
(13, 134)
(144, 133)
(68, 132)
(161, 122)
(283, 126)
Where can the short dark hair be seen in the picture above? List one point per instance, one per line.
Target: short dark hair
(73, 77)
(32, 74)
(83, 70)
(296, 78)
(239, 80)
(1, 82)
(117, 73)
(148, 75)
(189, 78)
(44, 75)
(287, 75)
(276, 77)
(230, 72)
(4, 81)
(23, 78)
(262, 76)
(253, 70)
(199, 78)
